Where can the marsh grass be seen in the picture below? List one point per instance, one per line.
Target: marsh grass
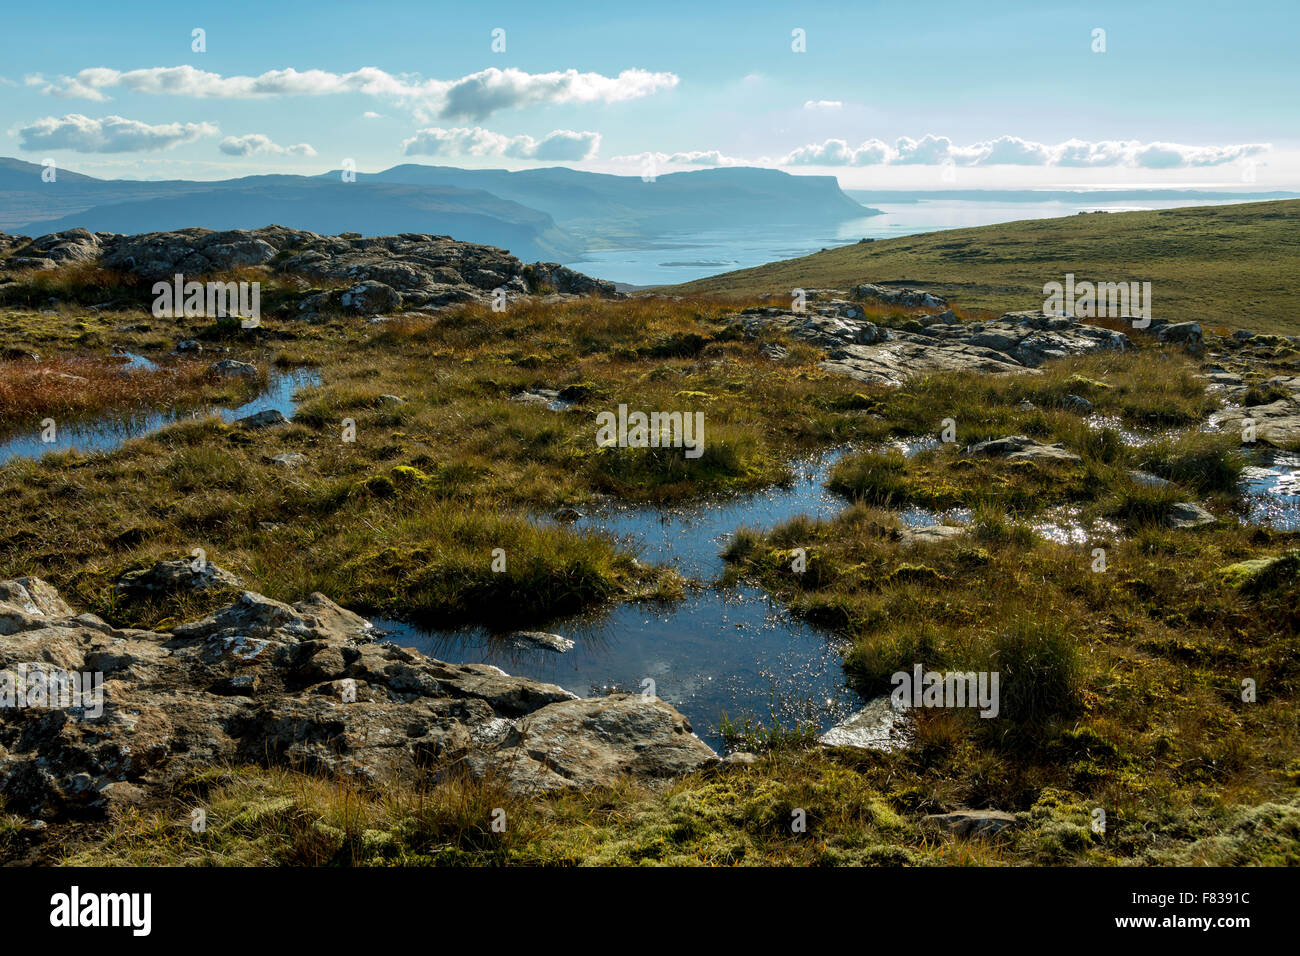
(1123, 686)
(78, 389)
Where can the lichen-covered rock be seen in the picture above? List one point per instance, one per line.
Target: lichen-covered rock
(554, 277)
(1018, 342)
(876, 726)
(588, 742)
(1188, 514)
(971, 823)
(174, 577)
(1021, 448)
(410, 270)
(300, 685)
(911, 298)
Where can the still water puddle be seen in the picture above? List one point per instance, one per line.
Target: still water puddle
(1270, 487)
(111, 432)
(730, 651)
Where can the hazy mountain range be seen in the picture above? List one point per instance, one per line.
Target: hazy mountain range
(553, 213)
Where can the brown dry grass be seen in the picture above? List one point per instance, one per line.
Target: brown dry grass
(78, 388)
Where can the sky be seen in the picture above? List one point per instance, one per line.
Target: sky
(880, 94)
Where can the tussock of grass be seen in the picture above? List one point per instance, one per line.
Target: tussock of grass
(1198, 460)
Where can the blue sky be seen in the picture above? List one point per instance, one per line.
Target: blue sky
(886, 93)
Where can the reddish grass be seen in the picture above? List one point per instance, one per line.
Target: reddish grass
(78, 388)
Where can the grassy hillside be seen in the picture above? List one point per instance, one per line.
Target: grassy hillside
(1224, 265)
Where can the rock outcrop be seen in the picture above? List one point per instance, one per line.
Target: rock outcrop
(1018, 342)
(911, 298)
(301, 685)
(411, 270)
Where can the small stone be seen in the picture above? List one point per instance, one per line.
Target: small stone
(540, 640)
(229, 368)
(263, 419)
(1146, 478)
(1188, 514)
(1021, 448)
(172, 577)
(972, 823)
(877, 726)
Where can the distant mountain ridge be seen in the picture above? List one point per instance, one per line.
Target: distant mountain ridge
(607, 205)
(551, 213)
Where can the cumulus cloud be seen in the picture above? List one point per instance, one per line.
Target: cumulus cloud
(823, 104)
(480, 94)
(561, 145)
(474, 96)
(112, 134)
(837, 152)
(932, 150)
(699, 157)
(254, 143)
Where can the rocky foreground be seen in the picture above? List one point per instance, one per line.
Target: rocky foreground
(1019, 343)
(1016, 342)
(409, 271)
(303, 686)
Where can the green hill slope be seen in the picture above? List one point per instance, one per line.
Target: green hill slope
(1233, 265)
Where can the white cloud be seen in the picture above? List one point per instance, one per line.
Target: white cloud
(823, 104)
(700, 157)
(474, 96)
(480, 94)
(932, 150)
(253, 143)
(371, 114)
(837, 152)
(561, 145)
(112, 134)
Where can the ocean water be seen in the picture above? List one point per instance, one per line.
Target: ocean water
(671, 259)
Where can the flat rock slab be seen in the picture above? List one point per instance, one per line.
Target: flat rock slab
(1146, 478)
(931, 534)
(895, 362)
(229, 368)
(588, 742)
(877, 726)
(1188, 514)
(267, 418)
(1021, 448)
(971, 823)
(1277, 423)
(540, 640)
